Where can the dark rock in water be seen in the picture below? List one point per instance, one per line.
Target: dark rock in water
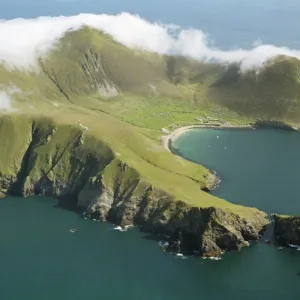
(287, 230)
(212, 254)
(206, 230)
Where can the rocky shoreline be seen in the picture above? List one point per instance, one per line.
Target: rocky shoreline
(286, 228)
(65, 162)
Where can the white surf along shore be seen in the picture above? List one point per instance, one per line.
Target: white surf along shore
(167, 140)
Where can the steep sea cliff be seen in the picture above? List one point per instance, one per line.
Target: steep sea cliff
(287, 230)
(63, 161)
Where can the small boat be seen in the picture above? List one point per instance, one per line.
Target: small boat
(293, 246)
(73, 230)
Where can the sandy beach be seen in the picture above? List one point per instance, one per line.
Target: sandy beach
(175, 134)
(168, 139)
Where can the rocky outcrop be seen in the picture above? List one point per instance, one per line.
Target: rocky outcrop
(208, 231)
(287, 229)
(65, 162)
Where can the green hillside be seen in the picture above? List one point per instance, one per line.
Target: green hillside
(270, 93)
(125, 97)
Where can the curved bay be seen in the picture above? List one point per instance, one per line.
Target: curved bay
(259, 168)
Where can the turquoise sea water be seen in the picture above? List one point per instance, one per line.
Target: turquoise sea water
(40, 259)
(259, 168)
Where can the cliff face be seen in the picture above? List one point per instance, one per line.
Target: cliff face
(40, 157)
(287, 229)
(206, 230)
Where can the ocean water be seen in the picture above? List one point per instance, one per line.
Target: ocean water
(40, 259)
(258, 168)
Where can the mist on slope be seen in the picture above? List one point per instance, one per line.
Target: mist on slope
(5, 101)
(22, 41)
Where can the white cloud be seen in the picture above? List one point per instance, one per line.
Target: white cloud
(22, 40)
(4, 101)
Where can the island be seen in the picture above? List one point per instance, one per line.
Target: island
(90, 122)
(287, 230)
